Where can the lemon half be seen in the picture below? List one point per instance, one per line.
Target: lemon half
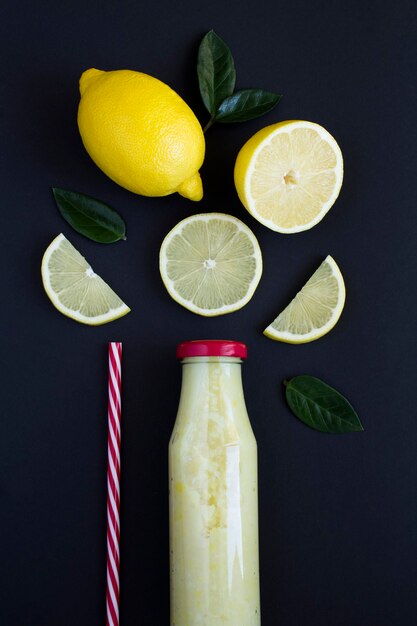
(315, 309)
(288, 175)
(74, 289)
(211, 263)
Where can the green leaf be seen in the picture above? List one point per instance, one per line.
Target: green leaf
(246, 105)
(90, 217)
(216, 71)
(320, 406)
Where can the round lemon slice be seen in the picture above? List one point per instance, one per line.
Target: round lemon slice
(74, 289)
(211, 263)
(288, 175)
(314, 310)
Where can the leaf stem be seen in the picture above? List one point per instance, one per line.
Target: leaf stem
(209, 124)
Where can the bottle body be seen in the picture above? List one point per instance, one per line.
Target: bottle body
(213, 500)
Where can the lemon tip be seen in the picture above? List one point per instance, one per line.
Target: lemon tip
(192, 188)
(87, 77)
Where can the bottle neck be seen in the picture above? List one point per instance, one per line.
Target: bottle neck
(211, 359)
(212, 384)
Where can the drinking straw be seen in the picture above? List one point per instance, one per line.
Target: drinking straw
(113, 484)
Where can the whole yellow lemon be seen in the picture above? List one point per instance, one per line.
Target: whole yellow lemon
(141, 133)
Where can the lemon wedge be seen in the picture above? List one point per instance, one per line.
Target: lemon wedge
(288, 175)
(74, 289)
(211, 263)
(315, 309)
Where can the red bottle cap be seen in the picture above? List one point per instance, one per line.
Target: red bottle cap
(212, 347)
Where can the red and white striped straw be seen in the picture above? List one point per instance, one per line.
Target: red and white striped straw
(113, 484)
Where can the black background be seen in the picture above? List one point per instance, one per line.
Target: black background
(338, 514)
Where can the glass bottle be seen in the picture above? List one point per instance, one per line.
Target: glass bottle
(213, 492)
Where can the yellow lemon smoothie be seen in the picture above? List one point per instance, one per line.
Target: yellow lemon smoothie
(213, 493)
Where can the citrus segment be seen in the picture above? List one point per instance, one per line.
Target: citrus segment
(74, 288)
(315, 309)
